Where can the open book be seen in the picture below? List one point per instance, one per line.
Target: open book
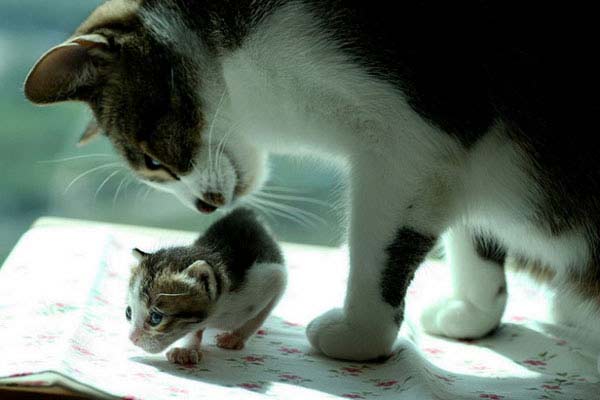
(62, 324)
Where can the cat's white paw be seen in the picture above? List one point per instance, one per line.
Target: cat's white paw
(184, 356)
(461, 319)
(332, 335)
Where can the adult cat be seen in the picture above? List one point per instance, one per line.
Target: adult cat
(451, 118)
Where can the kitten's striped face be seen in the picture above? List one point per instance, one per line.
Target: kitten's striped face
(161, 102)
(165, 301)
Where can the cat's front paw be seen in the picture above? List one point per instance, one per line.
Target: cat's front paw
(335, 337)
(461, 319)
(184, 356)
(230, 341)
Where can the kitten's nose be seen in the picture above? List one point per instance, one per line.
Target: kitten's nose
(134, 337)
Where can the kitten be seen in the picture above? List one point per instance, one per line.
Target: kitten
(230, 278)
(467, 120)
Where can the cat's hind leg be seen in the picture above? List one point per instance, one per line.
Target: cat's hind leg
(478, 296)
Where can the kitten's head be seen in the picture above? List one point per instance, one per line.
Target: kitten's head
(158, 93)
(169, 296)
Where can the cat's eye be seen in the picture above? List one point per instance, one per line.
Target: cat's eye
(151, 163)
(128, 313)
(155, 318)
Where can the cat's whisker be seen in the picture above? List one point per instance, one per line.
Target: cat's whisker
(118, 190)
(289, 211)
(262, 209)
(212, 126)
(223, 142)
(312, 217)
(282, 189)
(90, 171)
(148, 191)
(82, 157)
(295, 198)
(104, 182)
(280, 213)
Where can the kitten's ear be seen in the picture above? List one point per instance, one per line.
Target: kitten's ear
(139, 254)
(203, 273)
(91, 132)
(62, 72)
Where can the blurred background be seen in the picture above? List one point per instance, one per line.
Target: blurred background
(42, 173)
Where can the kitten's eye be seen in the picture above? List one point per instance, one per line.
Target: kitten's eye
(155, 318)
(151, 163)
(128, 313)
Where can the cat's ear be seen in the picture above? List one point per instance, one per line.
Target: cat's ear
(139, 254)
(91, 132)
(203, 273)
(66, 70)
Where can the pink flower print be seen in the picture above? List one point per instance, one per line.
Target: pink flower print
(518, 318)
(261, 332)
(82, 350)
(433, 351)
(490, 396)
(254, 359)
(174, 389)
(352, 396)
(21, 374)
(130, 397)
(289, 323)
(101, 299)
(551, 387)
(534, 362)
(289, 350)
(250, 386)
(386, 383)
(352, 370)
(290, 377)
(92, 327)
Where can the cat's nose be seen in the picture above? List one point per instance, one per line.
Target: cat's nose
(211, 202)
(214, 198)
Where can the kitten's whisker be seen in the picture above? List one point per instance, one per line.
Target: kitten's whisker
(291, 209)
(172, 295)
(74, 158)
(295, 198)
(104, 182)
(90, 171)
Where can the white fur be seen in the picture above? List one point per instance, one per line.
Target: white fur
(264, 283)
(290, 89)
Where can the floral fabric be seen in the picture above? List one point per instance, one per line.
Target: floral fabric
(62, 322)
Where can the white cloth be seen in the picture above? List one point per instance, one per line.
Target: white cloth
(62, 321)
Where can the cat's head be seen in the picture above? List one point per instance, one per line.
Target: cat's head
(158, 94)
(168, 297)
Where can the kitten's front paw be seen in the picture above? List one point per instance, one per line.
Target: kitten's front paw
(184, 356)
(331, 334)
(230, 341)
(461, 319)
